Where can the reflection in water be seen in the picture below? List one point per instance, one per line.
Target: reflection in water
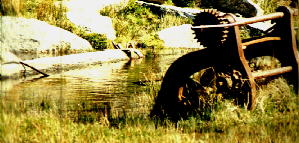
(109, 86)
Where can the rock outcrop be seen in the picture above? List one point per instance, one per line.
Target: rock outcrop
(50, 65)
(179, 36)
(168, 9)
(31, 38)
(85, 14)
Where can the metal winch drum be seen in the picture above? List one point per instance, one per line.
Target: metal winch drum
(222, 69)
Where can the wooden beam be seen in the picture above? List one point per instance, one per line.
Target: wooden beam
(272, 72)
(245, 21)
(259, 41)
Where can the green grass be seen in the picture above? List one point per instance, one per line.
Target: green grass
(54, 13)
(270, 6)
(139, 24)
(42, 119)
(132, 22)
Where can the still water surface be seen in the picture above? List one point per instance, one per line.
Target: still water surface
(121, 84)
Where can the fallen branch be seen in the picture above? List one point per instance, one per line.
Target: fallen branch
(26, 65)
(33, 68)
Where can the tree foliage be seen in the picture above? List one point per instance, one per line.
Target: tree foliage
(185, 3)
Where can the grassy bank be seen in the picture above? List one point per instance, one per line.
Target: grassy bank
(132, 22)
(54, 13)
(42, 119)
(139, 24)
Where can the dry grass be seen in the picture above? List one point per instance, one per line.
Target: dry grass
(11, 7)
(46, 120)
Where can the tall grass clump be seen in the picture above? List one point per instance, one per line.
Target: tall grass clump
(134, 22)
(50, 11)
(46, 10)
(269, 6)
(11, 7)
(275, 118)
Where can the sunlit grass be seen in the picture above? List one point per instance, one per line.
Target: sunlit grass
(270, 6)
(42, 119)
(137, 23)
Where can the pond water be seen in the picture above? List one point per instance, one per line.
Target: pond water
(120, 86)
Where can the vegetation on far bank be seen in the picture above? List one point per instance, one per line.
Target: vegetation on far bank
(132, 22)
(54, 13)
(139, 24)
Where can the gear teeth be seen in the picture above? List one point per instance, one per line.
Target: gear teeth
(225, 31)
(215, 12)
(211, 37)
(221, 18)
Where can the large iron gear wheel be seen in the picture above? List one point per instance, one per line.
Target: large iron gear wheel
(210, 37)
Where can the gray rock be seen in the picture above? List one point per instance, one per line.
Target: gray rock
(179, 36)
(167, 9)
(31, 38)
(85, 14)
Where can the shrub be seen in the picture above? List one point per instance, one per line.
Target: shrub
(156, 1)
(137, 23)
(232, 6)
(45, 10)
(10, 7)
(50, 11)
(270, 6)
(185, 3)
(97, 41)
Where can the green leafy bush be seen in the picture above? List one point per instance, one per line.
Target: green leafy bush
(45, 10)
(231, 6)
(270, 6)
(156, 1)
(185, 3)
(97, 41)
(137, 23)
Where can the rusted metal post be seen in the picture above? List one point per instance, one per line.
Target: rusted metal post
(265, 39)
(238, 58)
(245, 21)
(288, 50)
(273, 72)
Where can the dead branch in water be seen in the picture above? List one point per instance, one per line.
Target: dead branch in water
(26, 65)
(33, 68)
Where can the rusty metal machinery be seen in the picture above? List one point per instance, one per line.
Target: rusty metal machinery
(211, 37)
(221, 70)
